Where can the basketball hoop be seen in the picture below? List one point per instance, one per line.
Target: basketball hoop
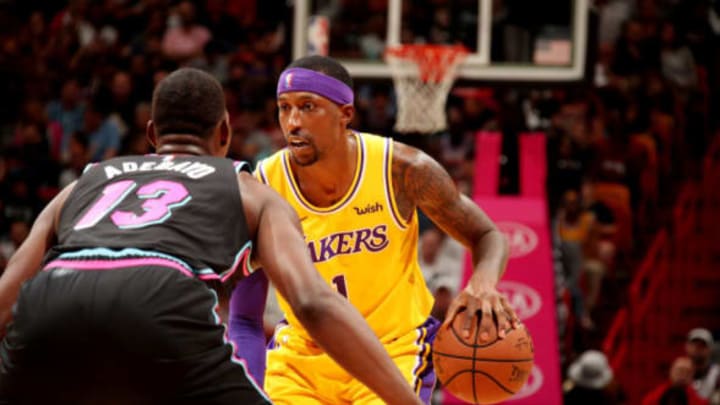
(423, 75)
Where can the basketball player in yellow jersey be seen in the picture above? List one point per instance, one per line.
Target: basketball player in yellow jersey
(356, 195)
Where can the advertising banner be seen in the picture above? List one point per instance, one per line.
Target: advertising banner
(529, 279)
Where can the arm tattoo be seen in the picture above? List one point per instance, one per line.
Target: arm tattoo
(421, 182)
(405, 204)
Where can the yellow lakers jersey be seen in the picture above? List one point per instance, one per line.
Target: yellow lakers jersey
(361, 245)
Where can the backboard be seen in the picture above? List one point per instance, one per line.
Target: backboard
(509, 40)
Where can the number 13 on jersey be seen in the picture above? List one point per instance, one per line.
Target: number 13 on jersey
(160, 197)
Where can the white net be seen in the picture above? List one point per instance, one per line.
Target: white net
(423, 76)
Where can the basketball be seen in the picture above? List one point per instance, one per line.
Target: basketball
(482, 373)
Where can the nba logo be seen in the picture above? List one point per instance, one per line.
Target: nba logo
(288, 80)
(318, 29)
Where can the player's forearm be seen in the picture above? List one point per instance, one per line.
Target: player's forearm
(342, 332)
(490, 255)
(8, 295)
(28, 258)
(21, 267)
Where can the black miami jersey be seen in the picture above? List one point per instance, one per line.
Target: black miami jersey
(185, 210)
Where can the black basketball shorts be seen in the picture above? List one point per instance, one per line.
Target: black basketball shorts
(133, 335)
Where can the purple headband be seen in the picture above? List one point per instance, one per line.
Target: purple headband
(300, 79)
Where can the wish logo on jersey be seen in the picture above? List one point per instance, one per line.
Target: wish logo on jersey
(369, 209)
(349, 242)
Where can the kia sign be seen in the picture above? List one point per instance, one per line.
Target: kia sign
(524, 299)
(529, 283)
(521, 239)
(529, 280)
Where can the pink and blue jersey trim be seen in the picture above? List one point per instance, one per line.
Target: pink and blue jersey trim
(108, 259)
(240, 166)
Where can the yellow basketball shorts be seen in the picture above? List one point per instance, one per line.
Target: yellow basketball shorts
(300, 373)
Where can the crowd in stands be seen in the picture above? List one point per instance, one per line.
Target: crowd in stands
(693, 378)
(77, 79)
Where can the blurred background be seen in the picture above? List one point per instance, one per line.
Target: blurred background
(600, 115)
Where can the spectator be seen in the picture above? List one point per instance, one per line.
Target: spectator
(634, 55)
(371, 42)
(68, 110)
(678, 63)
(225, 29)
(73, 18)
(706, 379)
(613, 160)
(599, 251)
(379, 113)
(149, 42)
(103, 133)
(33, 155)
(18, 197)
(49, 133)
(613, 14)
(184, 38)
(19, 230)
(135, 143)
(567, 165)
(590, 380)
(574, 226)
(678, 390)
(79, 157)
(123, 100)
(36, 34)
(441, 260)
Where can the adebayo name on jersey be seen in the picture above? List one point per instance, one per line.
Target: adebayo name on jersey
(192, 169)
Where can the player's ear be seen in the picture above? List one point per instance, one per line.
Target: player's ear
(150, 133)
(225, 130)
(347, 112)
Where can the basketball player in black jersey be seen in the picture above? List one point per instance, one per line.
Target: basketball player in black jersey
(112, 287)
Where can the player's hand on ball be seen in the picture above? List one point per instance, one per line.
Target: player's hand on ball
(496, 311)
